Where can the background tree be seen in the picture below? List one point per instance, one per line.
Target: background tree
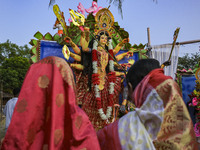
(9, 50)
(188, 61)
(14, 63)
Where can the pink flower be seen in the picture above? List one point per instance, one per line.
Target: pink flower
(196, 129)
(194, 101)
(93, 9)
(183, 70)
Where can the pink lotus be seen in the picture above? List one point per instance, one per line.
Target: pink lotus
(183, 70)
(93, 9)
(194, 101)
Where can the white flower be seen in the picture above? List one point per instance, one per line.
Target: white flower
(94, 66)
(109, 110)
(111, 65)
(96, 89)
(111, 90)
(101, 113)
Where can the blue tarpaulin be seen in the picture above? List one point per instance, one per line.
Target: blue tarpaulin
(188, 85)
(52, 48)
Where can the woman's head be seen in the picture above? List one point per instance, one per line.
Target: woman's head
(16, 92)
(139, 70)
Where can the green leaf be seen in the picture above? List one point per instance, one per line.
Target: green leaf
(34, 59)
(33, 42)
(143, 51)
(34, 50)
(38, 35)
(56, 37)
(48, 36)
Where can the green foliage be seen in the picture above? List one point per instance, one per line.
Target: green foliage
(13, 71)
(187, 62)
(9, 50)
(14, 63)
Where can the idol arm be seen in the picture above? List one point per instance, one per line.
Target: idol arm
(84, 41)
(75, 57)
(117, 73)
(77, 66)
(119, 45)
(121, 56)
(73, 45)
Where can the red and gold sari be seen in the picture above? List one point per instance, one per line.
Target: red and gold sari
(160, 120)
(46, 115)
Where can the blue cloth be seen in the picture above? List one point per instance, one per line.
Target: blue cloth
(8, 110)
(188, 85)
(52, 48)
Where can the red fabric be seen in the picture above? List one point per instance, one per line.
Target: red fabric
(46, 115)
(109, 138)
(95, 78)
(112, 54)
(111, 77)
(94, 55)
(154, 78)
(86, 98)
(88, 101)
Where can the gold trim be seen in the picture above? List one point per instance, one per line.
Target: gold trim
(38, 47)
(197, 74)
(104, 21)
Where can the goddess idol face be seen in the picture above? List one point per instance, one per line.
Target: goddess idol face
(103, 39)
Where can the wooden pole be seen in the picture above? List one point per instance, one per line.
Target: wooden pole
(148, 36)
(149, 42)
(184, 42)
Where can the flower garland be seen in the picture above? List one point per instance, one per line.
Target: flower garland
(195, 102)
(96, 82)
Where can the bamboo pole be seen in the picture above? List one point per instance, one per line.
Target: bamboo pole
(184, 42)
(148, 36)
(149, 42)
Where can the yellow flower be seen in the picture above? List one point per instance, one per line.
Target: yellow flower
(197, 93)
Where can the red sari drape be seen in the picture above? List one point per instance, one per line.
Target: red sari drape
(46, 115)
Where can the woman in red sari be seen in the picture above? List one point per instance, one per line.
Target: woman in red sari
(160, 119)
(46, 115)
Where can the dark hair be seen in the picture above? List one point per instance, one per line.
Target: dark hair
(86, 59)
(140, 69)
(102, 33)
(16, 91)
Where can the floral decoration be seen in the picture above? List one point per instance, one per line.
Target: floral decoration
(96, 82)
(195, 102)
